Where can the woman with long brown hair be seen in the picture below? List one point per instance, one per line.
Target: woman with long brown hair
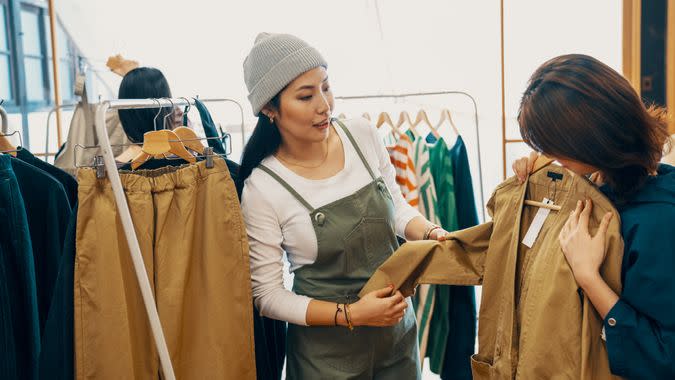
(587, 116)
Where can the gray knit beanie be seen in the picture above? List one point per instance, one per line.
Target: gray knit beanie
(275, 61)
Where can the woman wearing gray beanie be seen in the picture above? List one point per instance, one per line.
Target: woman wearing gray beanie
(324, 192)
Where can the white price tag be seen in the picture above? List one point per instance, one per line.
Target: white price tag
(537, 224)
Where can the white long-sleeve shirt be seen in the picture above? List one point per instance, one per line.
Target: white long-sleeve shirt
(276, 222)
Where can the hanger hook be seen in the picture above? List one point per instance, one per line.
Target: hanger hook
(159, 110)
(187, 110)
(168, 114)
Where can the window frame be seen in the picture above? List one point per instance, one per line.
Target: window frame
(11, 104)
(32, 105)
(19, 102)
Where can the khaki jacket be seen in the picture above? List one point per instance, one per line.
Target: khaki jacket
(534, 321)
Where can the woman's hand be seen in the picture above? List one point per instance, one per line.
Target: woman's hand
(584, 253)
(438, 234)
(378, 308)
(522, 167)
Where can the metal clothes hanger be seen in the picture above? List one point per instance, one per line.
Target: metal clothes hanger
(188, 136)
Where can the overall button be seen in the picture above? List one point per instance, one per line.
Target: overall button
(320, 218)
(381, 186)
(611, 322)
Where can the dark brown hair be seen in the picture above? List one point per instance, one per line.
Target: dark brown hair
(139, 83)
(578, 108)
(264, 142)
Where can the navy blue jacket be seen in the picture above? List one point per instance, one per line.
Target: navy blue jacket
(640, 328)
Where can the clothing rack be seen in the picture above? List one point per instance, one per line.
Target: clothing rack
(125, 215)
(48, 154)
(241, 111)
(475, 115)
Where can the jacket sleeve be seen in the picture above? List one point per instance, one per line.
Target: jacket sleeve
(640, 328)
(460, 260)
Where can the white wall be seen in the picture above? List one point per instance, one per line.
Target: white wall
(421, 46)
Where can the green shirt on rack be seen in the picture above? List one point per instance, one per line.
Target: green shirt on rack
(442, 173)
(425, 297)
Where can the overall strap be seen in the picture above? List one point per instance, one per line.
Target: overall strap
(287, 187)
(356, 147)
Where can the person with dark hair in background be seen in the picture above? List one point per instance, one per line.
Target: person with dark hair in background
(324, 192)
(141, 83)
(585, 115)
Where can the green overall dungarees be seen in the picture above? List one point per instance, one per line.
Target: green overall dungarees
(355, 235)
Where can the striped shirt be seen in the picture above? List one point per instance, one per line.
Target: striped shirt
(428, 204)
(388, 139)
(406, 177)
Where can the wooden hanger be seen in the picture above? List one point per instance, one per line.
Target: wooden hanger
(384, 118)
(539, 163)
(543, 205)
(159, 143)
(403, 118)
(446, 116)
(129, 153)
(189, 139)
(6, 146)
(422, 117)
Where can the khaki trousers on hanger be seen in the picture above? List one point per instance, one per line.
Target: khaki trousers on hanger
(195, 250)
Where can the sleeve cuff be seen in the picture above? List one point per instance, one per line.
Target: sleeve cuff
(407, 214)
(619, 317)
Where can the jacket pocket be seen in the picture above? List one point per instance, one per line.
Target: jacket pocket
(480, 367)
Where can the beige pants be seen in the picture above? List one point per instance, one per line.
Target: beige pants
(195, 251)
